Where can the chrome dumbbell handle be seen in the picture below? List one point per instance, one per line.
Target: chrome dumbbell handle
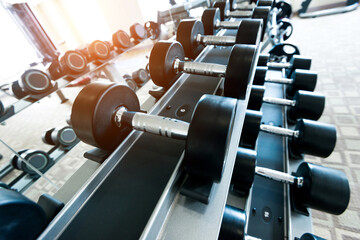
(279, 80)
(216, 40)
(208, 69)
(227, 24)
(279, 101)
(279, 176)
(279, 131)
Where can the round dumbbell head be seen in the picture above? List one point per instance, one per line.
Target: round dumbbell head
(324, 189)
(37, 158)
(266, 3)
(260, 74)
(21, 218)
(315, 138)
(249, 31)
(256, 97)
(46, 136)
(308, 105)
(161, 62)
(223, 6)
(233, 224)
(121, 39)
(73, 62)
(298, 62)
(140, 76)
(302, 80)
(285, 9)
(309, 236)
(34, 81)
(251, 128)
(131, 84)
(239, 71)
(208, 136)
(138, 32)
(209, 19)
(244, 170)
(99, 50)
(64, 136)
(285, 24)
(92, 115)
(262, 13)
(17, 90)
(153, 29)
(263, 60)
(186, 34)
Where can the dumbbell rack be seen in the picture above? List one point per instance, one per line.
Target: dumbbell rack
(136, 191)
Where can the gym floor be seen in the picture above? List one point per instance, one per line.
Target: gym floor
(332, 43)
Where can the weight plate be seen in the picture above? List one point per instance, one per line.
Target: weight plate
(46, 136)
(138, 32)
(233, 224)
(224, 7)
(249, 31)
(186, 35)
(285, 9)
(92, 115)
(209, 19)
(17, 90)
(73, 62)
(285, 24)
(35, 81)
(251, 129)
(308, 105)
(121, 39)
(21, 218)
(256, 97)
(140, 76)
(244, 170)
(262, 13)
(208, 136)
(161, 62)
(241, 66)
(99, 50)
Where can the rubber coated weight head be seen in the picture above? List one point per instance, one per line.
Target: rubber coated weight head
(186, 35)
(240, 68)
(309, 236)
(34, 81)
(244, 170)
(285, 9)
(138, 32)
(256, 97)
(73, 62)
(285, 24)
(260, 74)
(262, 13)
(140, 76)
(161, 62)
(208, 136)
(302, 80)
(153, 29)
(209, 19)
(17, 90)
(308, 105)
(251, 129)
(233, 224)
(263, 60)
(121, 39)
(46, 136)
(92, 115)
(298, 62)
(224, 7)
(21, 218)
(315, 138)
(64, 136)
(249, 31)
(37, 158)
(266, 3)
(324, 189)
(284, 50)
(99, 50)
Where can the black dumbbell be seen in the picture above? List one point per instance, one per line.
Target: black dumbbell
(298, 80)
(60, 136)
(38, 159)
(309, 236)
(121, 40)
(153, 29)
(140, 76)
(296, 62)
(313, 186)
(32, 82)
(103, 114)
(138, 32)
(305, 104)
(259, 3)
(190, 34)
(20, 218)
(97, 50)
(308, 137)
(167, 63)
(71, 63)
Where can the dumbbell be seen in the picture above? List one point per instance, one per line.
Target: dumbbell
(166, 63)
(71, 63)
(308, 137)
(20, 218)
(296, 62)
(190, 34)
(97, 50)
(103, 114)
(260, 3)
(140, 76)
(153, 29)
(298, 80)
(305, 104)
(37, 158)
(121, 40)
(313, 186)
(138, 32)
(60, 136)
(32, 82)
